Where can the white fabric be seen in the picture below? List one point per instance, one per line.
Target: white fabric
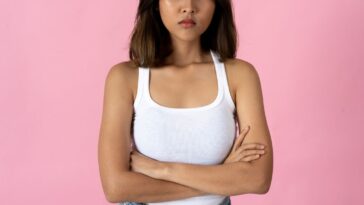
(199, 135)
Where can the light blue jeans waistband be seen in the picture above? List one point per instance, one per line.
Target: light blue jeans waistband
(226, 201)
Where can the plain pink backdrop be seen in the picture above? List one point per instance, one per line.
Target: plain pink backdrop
(54, 56)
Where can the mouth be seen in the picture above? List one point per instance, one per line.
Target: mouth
(187, 23)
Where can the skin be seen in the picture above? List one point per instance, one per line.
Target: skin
(186, 69)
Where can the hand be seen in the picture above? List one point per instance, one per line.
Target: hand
(245, 152)
(145, 165)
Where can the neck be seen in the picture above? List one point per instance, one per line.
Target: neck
(186, 53)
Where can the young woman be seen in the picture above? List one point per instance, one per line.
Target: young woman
(178, 101)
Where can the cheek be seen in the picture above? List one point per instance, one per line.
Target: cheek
(167, 16)
(206, 20)
(207, 12)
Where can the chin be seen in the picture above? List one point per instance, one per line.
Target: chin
(187, 37)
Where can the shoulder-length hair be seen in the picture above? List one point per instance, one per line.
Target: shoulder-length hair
(150, 41)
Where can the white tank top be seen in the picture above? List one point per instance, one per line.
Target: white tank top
(198, 135)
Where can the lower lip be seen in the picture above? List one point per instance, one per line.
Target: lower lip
(187, 25)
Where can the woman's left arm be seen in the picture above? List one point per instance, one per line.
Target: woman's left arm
(238, 177)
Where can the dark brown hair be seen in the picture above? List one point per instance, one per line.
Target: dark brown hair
(150, 42)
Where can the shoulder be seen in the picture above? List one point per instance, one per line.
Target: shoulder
(241, 68)
(121, 71)
(121, 76)
(241, 72)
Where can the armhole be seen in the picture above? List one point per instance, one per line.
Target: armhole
(139, 89)
(228, 97)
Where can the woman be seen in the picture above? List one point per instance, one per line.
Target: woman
(179, 99)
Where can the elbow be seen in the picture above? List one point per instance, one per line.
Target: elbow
(263, 190)
(254, 182)
(113, 195)
(264, 187)
(110, 194)
(115, 192)
(110, 197)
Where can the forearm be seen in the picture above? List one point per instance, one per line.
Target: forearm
(136, 187)
(223, 179)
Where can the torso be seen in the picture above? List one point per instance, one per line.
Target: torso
(203, 135)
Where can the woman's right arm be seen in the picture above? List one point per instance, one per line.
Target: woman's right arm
(119, 183)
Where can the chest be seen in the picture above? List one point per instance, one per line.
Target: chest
(185, 88)
(203, 137)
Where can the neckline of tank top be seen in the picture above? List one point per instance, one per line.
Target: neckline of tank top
(217, 67)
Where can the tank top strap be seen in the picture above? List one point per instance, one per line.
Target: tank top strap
(142, 81)
(222, 77)
(218, 68)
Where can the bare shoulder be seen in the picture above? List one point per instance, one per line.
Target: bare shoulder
(123, 76)
(241, 69)
(240, 73)
(122, 70)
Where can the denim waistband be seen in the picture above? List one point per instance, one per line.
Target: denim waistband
(226, 201)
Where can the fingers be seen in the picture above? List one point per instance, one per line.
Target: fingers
(246, 146)
(250, 158)
(251, 152)
(241, 137)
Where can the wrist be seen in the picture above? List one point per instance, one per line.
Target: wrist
(163, 170)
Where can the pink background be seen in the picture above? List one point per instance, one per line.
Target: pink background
(54, 56)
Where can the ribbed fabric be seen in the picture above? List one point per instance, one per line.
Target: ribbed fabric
(198, 135)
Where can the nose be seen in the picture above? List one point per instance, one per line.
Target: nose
(188, 10)
(188, 7)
